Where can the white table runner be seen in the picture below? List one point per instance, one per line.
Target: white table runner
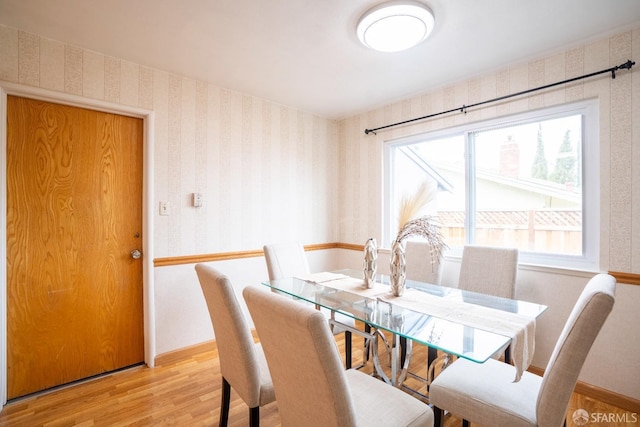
(520, 328)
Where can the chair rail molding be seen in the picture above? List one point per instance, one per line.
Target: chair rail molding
(621, 277)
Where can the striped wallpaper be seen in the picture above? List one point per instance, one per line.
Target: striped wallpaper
(271, 173)
(268, 172)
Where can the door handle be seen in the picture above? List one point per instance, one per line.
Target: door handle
(136, 254)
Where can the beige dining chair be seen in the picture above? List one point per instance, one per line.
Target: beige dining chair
(312, 387)
(420, 265)
(242, 362)
(486, 394)
(490, 270)
(285, 260)
(290, 260)
(487, 270)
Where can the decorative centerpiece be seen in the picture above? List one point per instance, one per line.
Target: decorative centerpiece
(370, 266)
(398, 268)
(425, 226)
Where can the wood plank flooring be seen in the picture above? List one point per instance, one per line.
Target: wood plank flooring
(182, 390)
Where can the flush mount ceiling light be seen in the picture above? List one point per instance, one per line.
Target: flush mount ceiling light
(396, 25)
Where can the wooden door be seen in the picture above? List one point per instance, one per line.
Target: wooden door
(74, 214)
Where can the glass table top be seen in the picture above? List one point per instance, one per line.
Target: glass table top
(450, 336)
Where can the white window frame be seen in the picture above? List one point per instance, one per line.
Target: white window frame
(589, 260)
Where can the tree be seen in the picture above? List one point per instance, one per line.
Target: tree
(539, 167)
(564, 171)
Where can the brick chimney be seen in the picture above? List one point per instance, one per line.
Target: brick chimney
(510, 158)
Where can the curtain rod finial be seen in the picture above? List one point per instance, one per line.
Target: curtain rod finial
(626, 66)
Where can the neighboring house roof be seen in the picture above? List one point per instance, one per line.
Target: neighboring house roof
(531, 185)
(415, 156)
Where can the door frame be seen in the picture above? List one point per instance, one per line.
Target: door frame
(8, 88)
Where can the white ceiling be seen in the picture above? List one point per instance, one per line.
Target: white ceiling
(304, 53)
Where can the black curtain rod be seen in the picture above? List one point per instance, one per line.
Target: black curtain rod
(627, 66)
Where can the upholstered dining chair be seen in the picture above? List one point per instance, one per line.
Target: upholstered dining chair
(419, 263)
(242, 362)
(285, 260)
(312, 387)
(489, 270)
(486, 394)
(420, 267)
(290, 260)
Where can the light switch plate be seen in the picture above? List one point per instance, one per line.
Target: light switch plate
(165, 208)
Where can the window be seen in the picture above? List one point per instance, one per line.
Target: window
(528, 181)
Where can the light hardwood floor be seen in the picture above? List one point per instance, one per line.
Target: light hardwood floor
(182, 390)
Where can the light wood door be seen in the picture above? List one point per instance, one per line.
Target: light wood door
(74, 214)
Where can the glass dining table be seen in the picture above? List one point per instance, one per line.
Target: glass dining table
(344, 292)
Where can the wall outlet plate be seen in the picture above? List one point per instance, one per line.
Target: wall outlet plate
(198, 200)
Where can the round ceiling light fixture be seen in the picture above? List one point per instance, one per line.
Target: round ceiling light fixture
(395, 26)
